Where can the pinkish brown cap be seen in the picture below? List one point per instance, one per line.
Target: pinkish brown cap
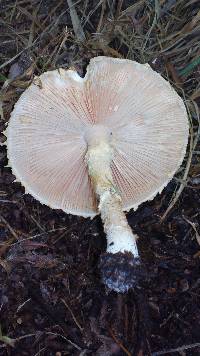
(48, 132)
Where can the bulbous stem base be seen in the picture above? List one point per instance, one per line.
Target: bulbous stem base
(120, 271)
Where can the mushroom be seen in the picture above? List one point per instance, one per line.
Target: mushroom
(103, 144)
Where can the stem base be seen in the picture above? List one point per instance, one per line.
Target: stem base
(120, 271)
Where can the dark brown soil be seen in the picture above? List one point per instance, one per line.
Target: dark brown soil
(52, 301)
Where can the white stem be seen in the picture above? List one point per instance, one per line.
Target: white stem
(119, 235)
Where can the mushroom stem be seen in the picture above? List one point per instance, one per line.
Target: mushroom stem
(120, 265)
(120, 237)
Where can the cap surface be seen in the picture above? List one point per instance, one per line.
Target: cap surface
(48, 129)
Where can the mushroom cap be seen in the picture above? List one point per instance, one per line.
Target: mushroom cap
(48, 129)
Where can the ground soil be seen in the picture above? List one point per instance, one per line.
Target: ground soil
(52, 300)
